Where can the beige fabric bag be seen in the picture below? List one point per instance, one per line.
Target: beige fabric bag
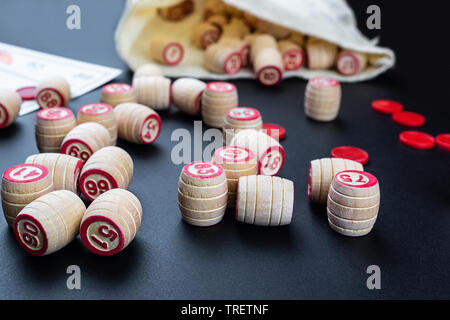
(332, 20)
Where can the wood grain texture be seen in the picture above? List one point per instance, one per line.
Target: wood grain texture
(217, 99)
(108, 168)
(269, 152)
(65, 169)
(321, 173)
(137, 123)
(84, 140)
(153, 92)
(323, 99)
(148, 70)
(49, 223)
(52, 125)
(102, 114)
(202, 193)
(111, 222)
(265, 201)
(53, 91)
(117, 93)
(187, 94)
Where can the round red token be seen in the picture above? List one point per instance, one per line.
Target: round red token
(386, 106)
(274, 130)
(443, 141)
(408, 119)
(417, 140)
(27, 93)
(351, 153)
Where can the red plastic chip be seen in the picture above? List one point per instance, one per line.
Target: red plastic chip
(351, 153)
(443, 141)
(417, 140)
(274, 130)
(386, 106)
(409, 119)
(27, 93)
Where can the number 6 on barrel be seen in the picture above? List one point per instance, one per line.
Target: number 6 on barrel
(108, 168)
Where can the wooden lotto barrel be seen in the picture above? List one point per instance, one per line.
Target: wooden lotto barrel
(237, 162)
(22, 184)
(323, 99)
(217, 99)
(269, 152)
(109, 168)
(117, 93)
(53, 91)
(137, 123)
(111, 222)
(239, 119)
(265, 201)
(187, 95)
(49, 223)
(102, 114)
(52, 125)
(84, 140)
(202, 193)
(353, 203)
(65, 169)
(321, 173)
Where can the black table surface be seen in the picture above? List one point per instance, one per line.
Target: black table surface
(306, 260)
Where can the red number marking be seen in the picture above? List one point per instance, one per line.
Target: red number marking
(204, 168)
(110, 234)
(233, 153)
(31, 228)
(19, 173)
(32, 173)
(96, 187)
(75, 152)
(269, 75)
(29, 237)
(150, 126)
(29, 240)
(274, 164)
(54, 113)
(103, 244)
(346, 178)
(46, 96)
(361, 179)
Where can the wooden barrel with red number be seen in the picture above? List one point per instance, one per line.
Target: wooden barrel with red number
(53, 91)
(85, 139)
(202, 193)
(270, 153)
(111, 222)
(22, 184)
(49, 223)
(108, 168)
(52, 125)
(101, 113)
(137, 123)
(117, 93)
(239, 119)
(237, 162)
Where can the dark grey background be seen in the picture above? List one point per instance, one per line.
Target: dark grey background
(306, 260)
